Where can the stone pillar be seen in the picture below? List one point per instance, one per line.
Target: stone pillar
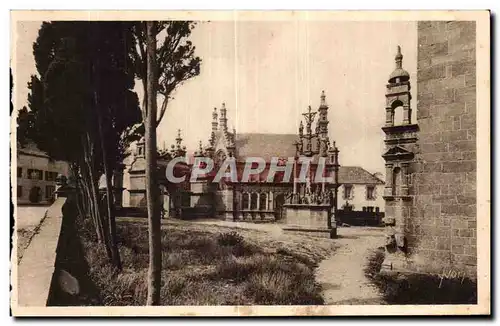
(258, 201)
(406, 114)
(61, 183)
(228, 204)
(389, 117)
(388, 180)
(404, 181)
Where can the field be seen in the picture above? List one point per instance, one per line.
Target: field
(203, 265)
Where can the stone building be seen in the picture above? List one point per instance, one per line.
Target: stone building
(258, 199)
(430, 189)
(36, 175)
(132, 182)
(361, 199)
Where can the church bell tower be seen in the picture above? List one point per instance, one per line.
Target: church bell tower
(400, 148)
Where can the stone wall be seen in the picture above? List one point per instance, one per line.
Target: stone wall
(442, 228)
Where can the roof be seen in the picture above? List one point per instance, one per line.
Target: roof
(357, 175)
(265, 145)
(399, 73)
(31, 149)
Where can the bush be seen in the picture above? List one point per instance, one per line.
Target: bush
(201, 268)
(418, 288)
(229, 239)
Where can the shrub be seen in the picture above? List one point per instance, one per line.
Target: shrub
(229, 239)
(173, 260)
(300, 257)
(279, 287)
(418, 288)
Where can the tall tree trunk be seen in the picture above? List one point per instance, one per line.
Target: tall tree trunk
(94, 190)
(91, 208)
(115, 254)
(87, 181)
(154, 223)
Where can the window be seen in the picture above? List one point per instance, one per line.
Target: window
(377, 210)
(19, 191)
(244, 201)
(263, 202)
(49, 191)
(364, 209)
(35, 174)
(19, 172)
(369, 209)
(370, 192)
(253, 201)
(50, 176)
(347, 191)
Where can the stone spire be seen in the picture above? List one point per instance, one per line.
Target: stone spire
(323, 100)
(323, 116)
(223, 118)
(214, 121)
(399, 59)
(399, 74)
(199, 152)
(178, 140)
(322, 125)
(178, 150)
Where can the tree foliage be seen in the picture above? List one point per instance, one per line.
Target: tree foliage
(84, 81)
(175, 57)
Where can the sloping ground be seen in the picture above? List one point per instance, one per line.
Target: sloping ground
(342, 275)
(206, 264)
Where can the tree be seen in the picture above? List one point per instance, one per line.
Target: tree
(176, 61)
(161, 70)
(82, 107)
(154, 273)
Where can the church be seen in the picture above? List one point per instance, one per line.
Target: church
(259, 199)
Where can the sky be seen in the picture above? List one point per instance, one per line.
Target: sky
(269, 72)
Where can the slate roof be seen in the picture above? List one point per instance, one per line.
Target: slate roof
(265, 145)
(357, 175)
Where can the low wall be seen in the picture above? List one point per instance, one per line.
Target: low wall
(36, 269)
(360, 218)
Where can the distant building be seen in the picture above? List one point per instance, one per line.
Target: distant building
(36, 175)
(360, 196)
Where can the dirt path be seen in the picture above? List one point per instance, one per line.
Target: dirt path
(342, 274)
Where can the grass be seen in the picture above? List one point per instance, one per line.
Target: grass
(419, 288)
(204, 267)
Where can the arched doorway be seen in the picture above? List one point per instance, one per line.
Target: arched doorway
(278, 211)
(35, 195)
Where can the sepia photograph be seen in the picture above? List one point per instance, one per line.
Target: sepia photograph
(250, 163)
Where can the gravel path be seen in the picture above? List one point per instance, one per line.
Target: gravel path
(342, 274)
